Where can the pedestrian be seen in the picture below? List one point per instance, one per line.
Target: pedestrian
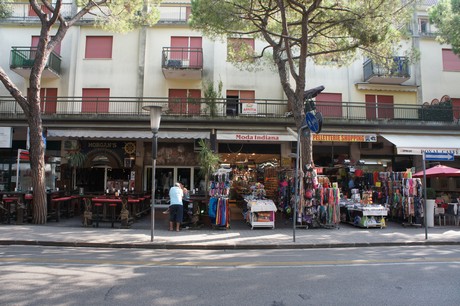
(176, 210)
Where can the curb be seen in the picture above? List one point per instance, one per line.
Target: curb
(220, 246)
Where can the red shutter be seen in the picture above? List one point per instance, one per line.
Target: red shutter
(179, 48)
(194, 106)
(177, 101)
(196, 56)
(48, 100)
(450, 61)
(456, 107)
(329, 104)
(385, 107)
(371, 107)
(98, 47)
(95, 100)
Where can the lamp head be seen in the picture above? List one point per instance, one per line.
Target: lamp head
(155, 116)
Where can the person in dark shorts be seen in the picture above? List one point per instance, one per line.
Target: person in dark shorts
(176, 210)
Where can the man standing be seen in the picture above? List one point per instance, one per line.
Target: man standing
(175, 206)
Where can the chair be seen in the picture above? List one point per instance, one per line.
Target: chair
(440, 213)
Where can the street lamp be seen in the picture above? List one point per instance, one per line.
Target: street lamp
(155, 118)
(296, 190)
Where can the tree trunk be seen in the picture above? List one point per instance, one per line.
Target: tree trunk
(37, 165)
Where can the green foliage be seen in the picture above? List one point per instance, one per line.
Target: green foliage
(430, 193)
(208, 160)
(212, 96)
(446, 17)
(322, 28)
(76, 159)
(5, 9)
(126, 15)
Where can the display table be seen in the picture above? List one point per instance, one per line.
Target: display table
(261, 213)
(364, 215)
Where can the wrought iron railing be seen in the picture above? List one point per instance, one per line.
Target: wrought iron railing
(397, 66)
(128, 107)
(24, 57)
(177, 57)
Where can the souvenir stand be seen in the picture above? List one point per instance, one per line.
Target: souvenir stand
(319, 202)
(361, 211)
(260, 210)
(404, 196)
(286, 183)
(218, 209)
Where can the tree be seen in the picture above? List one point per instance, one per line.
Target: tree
(446, 17)
(208, 160)
(115, 15)
(297, 31)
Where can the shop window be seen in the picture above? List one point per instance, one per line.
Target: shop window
(98, 47)
(240, 49)
(379, 107)
(450, 61)
(95, 100)
(329, 104)
(184, 101)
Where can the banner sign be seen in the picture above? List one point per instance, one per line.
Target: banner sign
(249, 108)
(6, 137)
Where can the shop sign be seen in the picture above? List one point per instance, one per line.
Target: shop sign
(6, 137)
(249, 108)
(345, 137)
(419, 151)
(248, 136)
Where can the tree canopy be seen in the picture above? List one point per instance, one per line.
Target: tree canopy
(446, 17)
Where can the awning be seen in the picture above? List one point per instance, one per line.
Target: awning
(416, 144)
(52, 133)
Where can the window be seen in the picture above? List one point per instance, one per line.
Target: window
(379, 107)
(240, 101)
(185, 101)
(329, 104)
(240, 49)
(95, 100)
(186, 51)
(42, 7)
(450, 61)
(98, 47)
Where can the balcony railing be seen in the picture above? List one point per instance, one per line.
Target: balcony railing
(186, 58)
(395, 71)
(121, 108)
(24, 57)
(21, 11)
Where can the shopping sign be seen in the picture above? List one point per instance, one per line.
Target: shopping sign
(439, 156)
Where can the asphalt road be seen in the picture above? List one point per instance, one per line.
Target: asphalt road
(352, 276)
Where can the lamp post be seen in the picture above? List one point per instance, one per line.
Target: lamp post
(155, 117)
(296, 189)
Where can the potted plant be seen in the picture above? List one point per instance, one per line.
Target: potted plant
(211, 97)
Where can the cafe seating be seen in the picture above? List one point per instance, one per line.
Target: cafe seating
(439, 213)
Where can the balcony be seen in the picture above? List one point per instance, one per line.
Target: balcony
(182, 63)
(395, 71)
(22, 60)
(262, 111)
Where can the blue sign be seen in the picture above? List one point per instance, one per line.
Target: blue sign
(439, 156)
(312, 122)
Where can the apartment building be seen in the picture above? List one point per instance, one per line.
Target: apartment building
(96, 83)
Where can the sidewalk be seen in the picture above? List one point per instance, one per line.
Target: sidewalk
(70, 233)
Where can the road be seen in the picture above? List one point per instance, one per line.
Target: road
(33, 275)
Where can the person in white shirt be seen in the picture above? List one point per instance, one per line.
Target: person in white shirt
(176, 210)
